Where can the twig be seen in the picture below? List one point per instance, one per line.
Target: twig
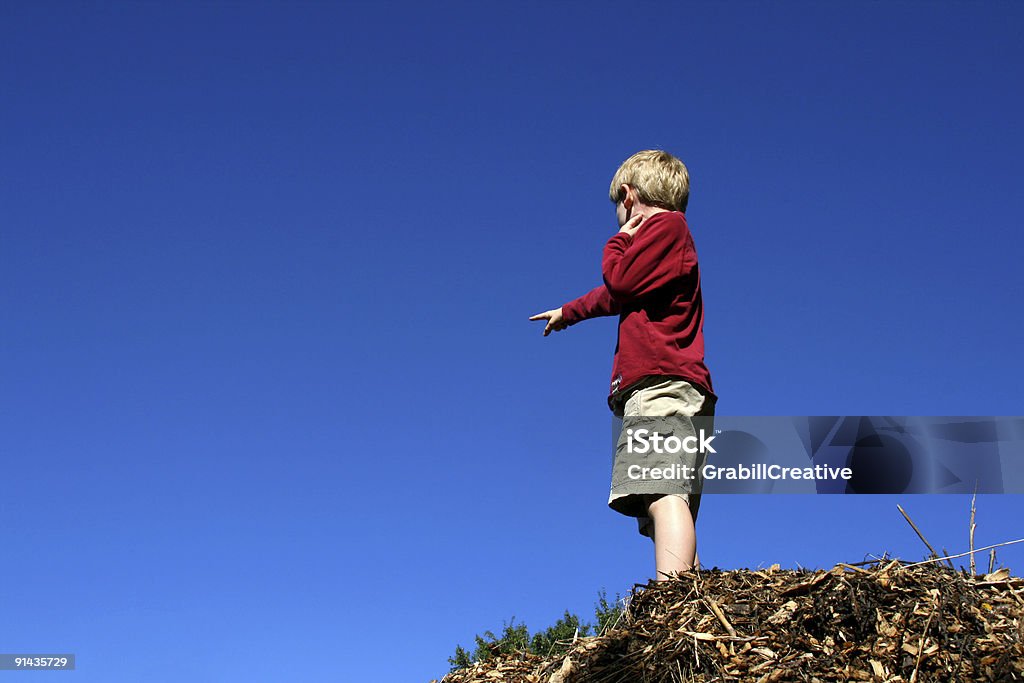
(698, 635)
(721, 616)
(939, 559)
(918, 531)
(920, 646)
(974, 571)
(992, 561)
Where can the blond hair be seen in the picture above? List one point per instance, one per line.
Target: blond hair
(659, 179)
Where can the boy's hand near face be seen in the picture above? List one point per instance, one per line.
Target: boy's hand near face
(554, 318)
(632, 225)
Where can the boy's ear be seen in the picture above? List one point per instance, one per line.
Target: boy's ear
(628, 196)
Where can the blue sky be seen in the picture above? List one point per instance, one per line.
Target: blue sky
(272, 407)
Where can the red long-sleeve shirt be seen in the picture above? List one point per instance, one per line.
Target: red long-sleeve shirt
(652, 281)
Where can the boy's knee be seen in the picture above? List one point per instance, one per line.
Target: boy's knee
(661, 504)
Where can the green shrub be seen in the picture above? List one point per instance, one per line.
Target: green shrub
(555, 639)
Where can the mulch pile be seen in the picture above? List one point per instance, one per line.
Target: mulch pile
(882, 621)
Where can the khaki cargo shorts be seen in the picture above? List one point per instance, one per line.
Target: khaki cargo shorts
(659, 397)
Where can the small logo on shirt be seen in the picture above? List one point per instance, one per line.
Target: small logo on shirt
(616, 382)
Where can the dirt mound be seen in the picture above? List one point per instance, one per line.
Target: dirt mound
(886, 621)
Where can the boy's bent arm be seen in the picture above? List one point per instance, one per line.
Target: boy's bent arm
(636, 265)
(595, 303)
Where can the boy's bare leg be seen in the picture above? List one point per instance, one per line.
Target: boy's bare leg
(675, 539)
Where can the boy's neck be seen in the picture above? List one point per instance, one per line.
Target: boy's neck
(647, 211)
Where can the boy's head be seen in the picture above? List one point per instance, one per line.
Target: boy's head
(657, 179)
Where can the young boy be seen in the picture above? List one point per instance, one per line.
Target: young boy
(652, 282)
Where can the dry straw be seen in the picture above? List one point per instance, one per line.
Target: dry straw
(878, 620)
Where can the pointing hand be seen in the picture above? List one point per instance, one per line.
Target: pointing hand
(554, 318)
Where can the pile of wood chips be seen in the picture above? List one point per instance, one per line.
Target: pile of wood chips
(881, 621)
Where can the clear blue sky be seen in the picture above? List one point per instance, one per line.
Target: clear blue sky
(272, 408)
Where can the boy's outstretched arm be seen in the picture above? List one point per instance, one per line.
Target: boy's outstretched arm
(595, 303)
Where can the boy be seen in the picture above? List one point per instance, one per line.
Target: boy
(652, 282)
